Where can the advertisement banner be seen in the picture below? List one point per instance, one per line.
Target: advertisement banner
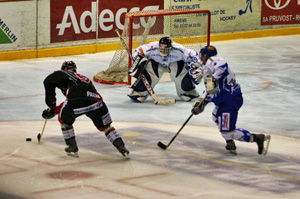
(112, 16)
(73, 20)
(226, 15)
(274, 12)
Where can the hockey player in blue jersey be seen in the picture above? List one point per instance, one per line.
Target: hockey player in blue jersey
(222, 89)
(155, 58)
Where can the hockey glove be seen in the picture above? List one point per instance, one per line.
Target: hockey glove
(211, 85)
(48, 113)
(138, 66)
(196, 75)
(199, 106)
(195, 71)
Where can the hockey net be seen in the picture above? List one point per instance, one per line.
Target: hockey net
(191, 28)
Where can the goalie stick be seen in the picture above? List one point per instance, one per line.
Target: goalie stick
(150, 90)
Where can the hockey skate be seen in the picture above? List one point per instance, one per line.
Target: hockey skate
(122, 149)
(262, 142)
(119, 144)
(230, 146)
(72, 150)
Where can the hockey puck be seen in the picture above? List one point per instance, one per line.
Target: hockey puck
(28, 139)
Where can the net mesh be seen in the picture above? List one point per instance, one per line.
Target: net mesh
(187, 27)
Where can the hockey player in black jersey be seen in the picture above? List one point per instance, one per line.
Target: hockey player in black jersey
(82, 98)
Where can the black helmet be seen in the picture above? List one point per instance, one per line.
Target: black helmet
(165, 45)
(69, 65)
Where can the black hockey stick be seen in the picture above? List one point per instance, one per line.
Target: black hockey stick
(162, 146)
(39, 136)
(150, 90)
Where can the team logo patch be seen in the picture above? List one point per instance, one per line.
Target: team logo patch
(225, 121)
(106, 119)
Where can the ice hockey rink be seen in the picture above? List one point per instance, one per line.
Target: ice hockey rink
(196, 165)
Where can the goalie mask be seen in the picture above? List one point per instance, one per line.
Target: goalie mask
(69, 65)
(165, 45)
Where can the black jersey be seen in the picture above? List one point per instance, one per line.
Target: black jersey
(72, 85)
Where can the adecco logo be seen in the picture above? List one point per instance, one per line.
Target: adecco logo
(278, 4)
(105, 21)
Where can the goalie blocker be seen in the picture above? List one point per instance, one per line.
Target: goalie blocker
(138, 67)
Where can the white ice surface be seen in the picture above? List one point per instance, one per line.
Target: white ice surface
(196, 165)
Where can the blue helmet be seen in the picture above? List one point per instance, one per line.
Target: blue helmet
(209, 50)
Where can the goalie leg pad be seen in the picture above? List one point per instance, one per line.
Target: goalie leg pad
(184, 85)
(153, 72)
(137, 96)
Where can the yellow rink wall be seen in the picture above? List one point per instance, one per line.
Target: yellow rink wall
(75, 50)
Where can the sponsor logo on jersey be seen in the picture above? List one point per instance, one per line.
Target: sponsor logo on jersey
(225, 121)
(106, 119)
(94, 95)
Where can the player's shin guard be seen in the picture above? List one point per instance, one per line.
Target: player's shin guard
(114, 137)
(69, 136)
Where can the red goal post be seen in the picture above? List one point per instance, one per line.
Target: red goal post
(191, 28)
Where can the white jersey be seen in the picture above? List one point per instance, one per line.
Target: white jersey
(227, 85)
(177, 53)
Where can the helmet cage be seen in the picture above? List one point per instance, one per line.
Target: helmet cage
(164, 49)
(165, 46)
(69, 65)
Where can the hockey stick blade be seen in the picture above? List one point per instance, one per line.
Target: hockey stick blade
(39, 137)
(154, 97)
(161, 101)
(165, 102)
(161, 145)
(267, 142)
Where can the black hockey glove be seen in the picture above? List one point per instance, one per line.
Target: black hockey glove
(48, 113)
(199, 106)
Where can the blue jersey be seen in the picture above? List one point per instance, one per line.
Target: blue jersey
(227, 87)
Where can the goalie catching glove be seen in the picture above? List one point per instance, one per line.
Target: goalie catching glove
(199, 106)
(138, 66)
(195, 71)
